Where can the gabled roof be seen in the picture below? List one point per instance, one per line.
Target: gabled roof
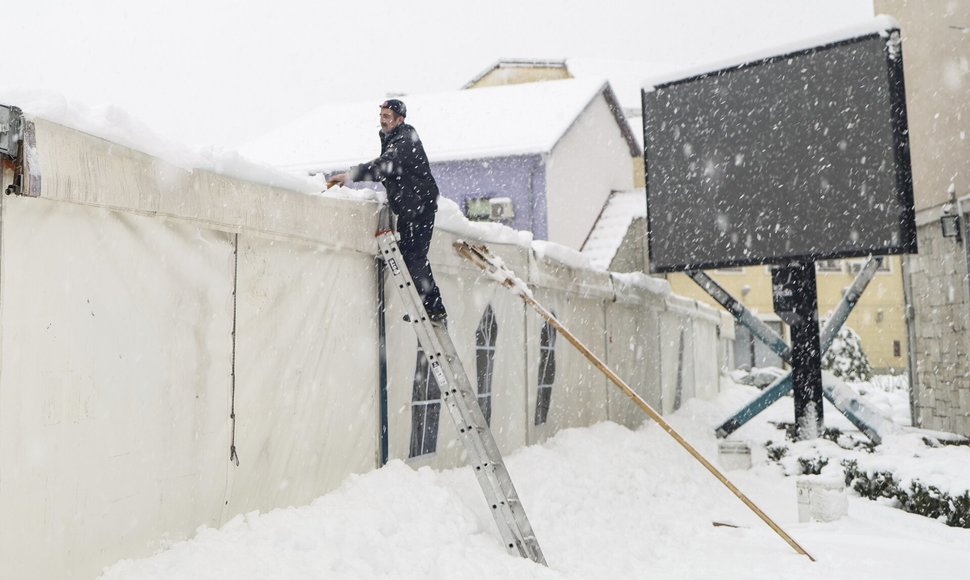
(611, 227)
(517, 63)
(482, 123)
(626, 77)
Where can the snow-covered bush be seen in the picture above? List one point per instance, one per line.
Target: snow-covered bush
(917, 498)
(812, 465)
(846, 359)
(907, 493)
(776, 452)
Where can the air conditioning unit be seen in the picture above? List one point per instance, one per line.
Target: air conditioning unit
(501, 209)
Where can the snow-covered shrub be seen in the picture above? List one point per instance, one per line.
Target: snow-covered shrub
(776, 452)
(956, 441)
(872, 486)
(960, 516)
(846, 359)
(919, 498)
(812, 465)
(926, 500)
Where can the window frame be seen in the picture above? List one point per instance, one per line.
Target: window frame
(546, 378)
(486, 335)
(425, 409)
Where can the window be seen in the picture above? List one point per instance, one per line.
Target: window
(425, 409)
(855, 266)
(547, 371)
(897, 348)
(485, 360)
(496, 209)
(478, 210)
(829, 265)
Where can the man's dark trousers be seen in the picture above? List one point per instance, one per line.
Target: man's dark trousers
(415, 243)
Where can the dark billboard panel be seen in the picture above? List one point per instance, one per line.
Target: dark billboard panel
(793, 157)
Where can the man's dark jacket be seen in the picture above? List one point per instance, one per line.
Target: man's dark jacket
(404, 171)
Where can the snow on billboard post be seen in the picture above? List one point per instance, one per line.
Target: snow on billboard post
(784, 160)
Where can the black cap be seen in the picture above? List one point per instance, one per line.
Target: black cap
(396, 106)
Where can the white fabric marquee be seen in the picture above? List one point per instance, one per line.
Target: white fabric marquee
(153, 319)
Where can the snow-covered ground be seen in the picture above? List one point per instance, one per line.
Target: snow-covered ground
(605, 501)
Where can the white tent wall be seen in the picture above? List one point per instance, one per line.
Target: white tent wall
(705, 367)
(676, 353)
(306, 410)
(577, 298)
(141, 304)
(114, 385)
(671, 359)
(116, 361)
(633, 351)
(725, 341)
(688, 366)
(702, 366)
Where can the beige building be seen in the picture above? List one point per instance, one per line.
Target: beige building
(618, 241)
(878, 318)
(936, 60)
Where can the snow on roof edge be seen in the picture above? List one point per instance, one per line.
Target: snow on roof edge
(611, 226)
(113, 124)
(301, 142)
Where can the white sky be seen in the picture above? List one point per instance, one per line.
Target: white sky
(223, 71)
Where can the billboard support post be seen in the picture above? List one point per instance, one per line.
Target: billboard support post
(795, 299)
(855, 410)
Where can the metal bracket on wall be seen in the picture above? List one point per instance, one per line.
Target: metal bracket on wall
(11, 138)
(11, 131)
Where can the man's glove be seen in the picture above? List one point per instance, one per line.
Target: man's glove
(338, 179)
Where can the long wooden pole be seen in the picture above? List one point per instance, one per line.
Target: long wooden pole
(483, 258)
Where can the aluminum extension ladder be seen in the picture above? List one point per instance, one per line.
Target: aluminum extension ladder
(462, 403)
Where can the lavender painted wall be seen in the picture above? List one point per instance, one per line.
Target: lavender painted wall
(521, 178)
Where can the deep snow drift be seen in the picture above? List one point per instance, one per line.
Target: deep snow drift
(606, 502)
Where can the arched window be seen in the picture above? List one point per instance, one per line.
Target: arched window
(485, 337)
(547, 371)
(425, 409)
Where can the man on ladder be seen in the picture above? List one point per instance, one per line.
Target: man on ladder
(412, 194)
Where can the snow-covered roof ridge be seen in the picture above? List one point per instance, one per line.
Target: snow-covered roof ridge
(608, 232)
(460, 124)
(881, 25)
(625, 76)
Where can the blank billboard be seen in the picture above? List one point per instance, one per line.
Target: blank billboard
(802, 156)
